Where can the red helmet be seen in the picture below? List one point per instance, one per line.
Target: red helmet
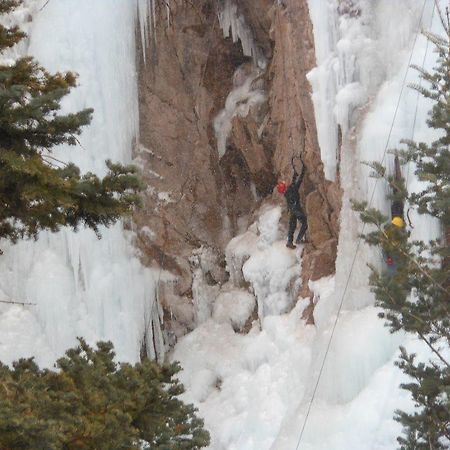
(390, 261)
(281, 187)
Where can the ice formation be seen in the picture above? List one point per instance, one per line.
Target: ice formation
(79, 285)
(246, 94)
(234, 306)
(272, 268)
(239, 102)
(231, 21)
(146, 14)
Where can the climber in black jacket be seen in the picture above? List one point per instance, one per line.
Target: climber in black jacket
(293, 203)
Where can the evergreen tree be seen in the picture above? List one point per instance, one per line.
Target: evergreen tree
(416, 297)
(91, 402)
(36, 191)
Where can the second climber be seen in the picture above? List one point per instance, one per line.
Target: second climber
(295, 210)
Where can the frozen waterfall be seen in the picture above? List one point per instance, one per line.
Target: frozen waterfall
(79, 285)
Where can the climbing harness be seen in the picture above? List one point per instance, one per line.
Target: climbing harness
(308, 411)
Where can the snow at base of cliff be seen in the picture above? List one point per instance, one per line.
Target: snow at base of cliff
(252, 387)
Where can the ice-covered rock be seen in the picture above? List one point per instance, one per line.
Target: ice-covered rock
(235, 307)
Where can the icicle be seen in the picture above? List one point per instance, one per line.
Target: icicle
(168, 12)
(153, 336)
(229, 18)
(142, 16)
(146, 15)
(153, 21)
(81, 286)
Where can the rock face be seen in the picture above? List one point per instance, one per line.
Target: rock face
(197, 197)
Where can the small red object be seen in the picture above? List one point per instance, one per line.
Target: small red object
(281, 187)
(390, 261)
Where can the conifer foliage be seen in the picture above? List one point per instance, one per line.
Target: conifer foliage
(91, 402)
(36, 191)
(416, 298)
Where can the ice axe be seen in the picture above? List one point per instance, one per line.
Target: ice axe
(292, 162)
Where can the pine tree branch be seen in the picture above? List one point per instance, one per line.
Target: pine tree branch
(441, 18)
(439, 424)
(423, 272)
(55, 159)
(422, 336)
(77, 140)
(441, 330)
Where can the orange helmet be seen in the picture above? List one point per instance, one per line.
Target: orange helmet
(281, 187)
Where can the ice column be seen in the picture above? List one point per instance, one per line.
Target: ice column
(231, 20)
(82, 286)
(341, 38)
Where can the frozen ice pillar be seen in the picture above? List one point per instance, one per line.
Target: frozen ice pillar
(83, 286)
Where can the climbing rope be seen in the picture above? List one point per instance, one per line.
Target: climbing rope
(358, 243)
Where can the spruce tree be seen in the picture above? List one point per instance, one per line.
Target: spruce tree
(36, 191)
(416, 297)
(91, 402)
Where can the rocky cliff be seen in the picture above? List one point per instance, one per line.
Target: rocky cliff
(225, 105)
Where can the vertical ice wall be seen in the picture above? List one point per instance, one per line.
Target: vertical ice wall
(362, 62)
(349, 69)
(364, 58)
(82, 286)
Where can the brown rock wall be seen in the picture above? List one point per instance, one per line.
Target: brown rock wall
(195, 199)
(293, 129)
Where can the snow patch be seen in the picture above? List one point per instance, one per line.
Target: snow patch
(243, 385)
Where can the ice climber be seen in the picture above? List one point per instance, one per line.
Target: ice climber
(395, 231)
(396, 234)
(293, 203)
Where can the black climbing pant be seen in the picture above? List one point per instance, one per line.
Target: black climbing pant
(297, 215)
